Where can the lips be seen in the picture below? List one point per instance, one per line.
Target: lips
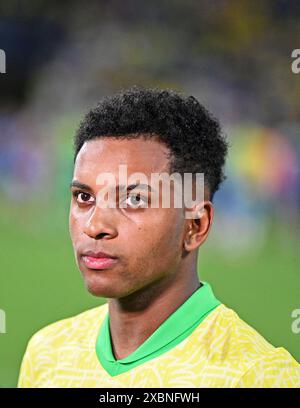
(98, 260)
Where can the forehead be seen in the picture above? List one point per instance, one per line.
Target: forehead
(106, 154)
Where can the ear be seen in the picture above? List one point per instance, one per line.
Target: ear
(198, 227)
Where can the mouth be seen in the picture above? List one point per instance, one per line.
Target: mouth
(98, 260)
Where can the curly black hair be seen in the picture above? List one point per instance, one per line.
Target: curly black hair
(192, 134)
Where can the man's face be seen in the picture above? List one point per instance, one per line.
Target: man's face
(146, 242)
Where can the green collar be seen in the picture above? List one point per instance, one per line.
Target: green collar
(179, 325)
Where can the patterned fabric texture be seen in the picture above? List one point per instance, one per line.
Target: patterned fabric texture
(223, 351)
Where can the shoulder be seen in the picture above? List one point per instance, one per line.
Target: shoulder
(277, 369)
(76, 328)
(258, 362)
(65, 337)
(241, 338)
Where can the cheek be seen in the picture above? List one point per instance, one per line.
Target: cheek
(158, 242)
(165, 230)
(74, 225)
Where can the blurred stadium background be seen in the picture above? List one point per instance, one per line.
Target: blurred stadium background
(235, 57)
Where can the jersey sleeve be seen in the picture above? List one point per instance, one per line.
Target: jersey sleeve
(37, 361)
(276, 370)
(27, 371)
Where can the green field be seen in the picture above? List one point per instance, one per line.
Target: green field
(41, 284)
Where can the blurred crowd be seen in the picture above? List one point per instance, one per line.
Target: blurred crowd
(232, 56)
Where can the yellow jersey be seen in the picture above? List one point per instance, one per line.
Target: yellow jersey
(213, 348)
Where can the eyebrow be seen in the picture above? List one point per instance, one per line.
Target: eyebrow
(76, 183)
(140, 186)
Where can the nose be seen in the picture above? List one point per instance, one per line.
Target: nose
(99, 225)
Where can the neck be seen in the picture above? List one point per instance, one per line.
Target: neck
(135, 317)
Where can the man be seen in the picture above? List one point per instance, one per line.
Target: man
(161, 326)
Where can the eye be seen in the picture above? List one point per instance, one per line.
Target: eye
(137, 201)
(82, 197)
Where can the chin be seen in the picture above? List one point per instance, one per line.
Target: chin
(100, 290)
